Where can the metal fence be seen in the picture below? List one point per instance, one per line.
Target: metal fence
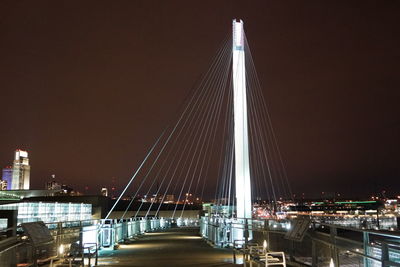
(321, 244)
(80, 240)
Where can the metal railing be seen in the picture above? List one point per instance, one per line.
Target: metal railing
(80, 241)
(321, 243)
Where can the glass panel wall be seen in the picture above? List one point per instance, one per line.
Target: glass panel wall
(50, 212)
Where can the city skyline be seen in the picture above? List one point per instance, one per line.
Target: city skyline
(97, 90)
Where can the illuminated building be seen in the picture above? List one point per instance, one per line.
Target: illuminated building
(20, 171)
(50, 212)
(169, 199)
(53, 185)
(104, 192)
(7, 176)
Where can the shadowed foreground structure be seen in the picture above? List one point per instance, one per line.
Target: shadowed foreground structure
(174, 247)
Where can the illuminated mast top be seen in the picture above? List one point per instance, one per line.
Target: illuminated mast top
(242, 169)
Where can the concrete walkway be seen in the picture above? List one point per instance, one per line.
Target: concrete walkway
(174, 247)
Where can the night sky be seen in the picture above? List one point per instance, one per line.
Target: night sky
(87, 86)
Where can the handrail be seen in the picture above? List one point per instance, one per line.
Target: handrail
(333, 240)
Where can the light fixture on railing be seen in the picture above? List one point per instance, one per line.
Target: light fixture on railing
(265, 245)
(61, 250)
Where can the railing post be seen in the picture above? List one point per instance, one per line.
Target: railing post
(58, 239)
(115, 226)
(385, 254)
(234, 253)
(246, 232)
(366, 248)
(124, 229)
(334, 249)
(34, 256)
(266, 232)
(377, 218)
(291, 250)
(97, 256)
(314, 253)
(82, 249)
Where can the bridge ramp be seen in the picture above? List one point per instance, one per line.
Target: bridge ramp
(173, 247)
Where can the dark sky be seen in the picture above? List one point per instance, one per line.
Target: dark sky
(87, 86)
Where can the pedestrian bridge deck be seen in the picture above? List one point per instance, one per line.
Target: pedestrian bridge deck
(172, 247)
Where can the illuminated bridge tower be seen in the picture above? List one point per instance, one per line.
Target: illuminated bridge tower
(242, 169)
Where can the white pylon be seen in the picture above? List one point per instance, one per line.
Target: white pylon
(242, 169)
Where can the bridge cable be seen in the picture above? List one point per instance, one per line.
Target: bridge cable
(183, 113)
(197, 144)
(182, 126)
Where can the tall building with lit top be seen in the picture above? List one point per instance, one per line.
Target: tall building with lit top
(21, 171)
